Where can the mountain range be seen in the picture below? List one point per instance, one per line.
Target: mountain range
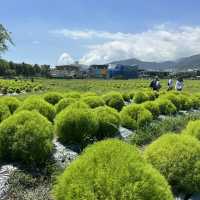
(182, 64)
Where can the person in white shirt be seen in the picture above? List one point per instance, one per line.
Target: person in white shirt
(170, 84)
(179, 84)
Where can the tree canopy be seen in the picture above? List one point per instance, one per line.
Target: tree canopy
(4, 39)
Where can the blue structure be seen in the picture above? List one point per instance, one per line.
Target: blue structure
(119, 71)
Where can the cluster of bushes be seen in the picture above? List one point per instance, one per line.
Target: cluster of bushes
(141, 97)
(17, 86)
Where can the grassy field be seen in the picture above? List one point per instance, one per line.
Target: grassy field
(102, 86)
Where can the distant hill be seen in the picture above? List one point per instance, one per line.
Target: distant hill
(178, 65)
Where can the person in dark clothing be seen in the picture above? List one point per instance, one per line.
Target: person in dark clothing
(155, 84)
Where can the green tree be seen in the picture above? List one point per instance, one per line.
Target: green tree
(4, 39)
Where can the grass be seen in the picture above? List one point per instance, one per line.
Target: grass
(100, 86)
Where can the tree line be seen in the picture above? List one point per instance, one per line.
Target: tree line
(23, 69)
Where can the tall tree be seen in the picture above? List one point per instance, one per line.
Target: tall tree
(4, 39)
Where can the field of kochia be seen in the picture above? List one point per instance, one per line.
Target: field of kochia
(160, 160)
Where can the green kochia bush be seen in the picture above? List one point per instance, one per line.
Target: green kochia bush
(114, 100)
(126, 96)
(177, 157)
(63, 103)
(26, 137)
(76, 126)
(4, 112)
(53, 97)
(153, 107)
(78, 105)
(166, 107)
(174, 98)
(94, 101)
(111, 169)
(109, 121)
(193, 129)
(75, 95)
(40, 105)
(12, 102)
(134, 116)
(140, 97)
(185, 102)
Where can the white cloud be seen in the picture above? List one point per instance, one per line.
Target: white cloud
(65, 59)
(160, 43)
(90, 34)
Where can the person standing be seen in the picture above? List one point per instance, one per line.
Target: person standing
(155, 84)
(170, 84)
(179, 84)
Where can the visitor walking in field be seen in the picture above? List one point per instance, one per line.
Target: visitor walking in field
(170, 84)
(155, 84)
(179, 84)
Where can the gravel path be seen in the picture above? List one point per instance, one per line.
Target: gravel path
(5, 172)
(62, 155)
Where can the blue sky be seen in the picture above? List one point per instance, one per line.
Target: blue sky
(94, 31)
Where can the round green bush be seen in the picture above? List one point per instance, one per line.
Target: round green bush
(76, 126)
(94, 101)
(166, 107)
(109, 121)
(134, 116)
(193, 129)
(114, 100)
(53, 97)
(132, 94)
(140, 97)
(126, 97)
(151, 95)
(174, 98)
(79, 105)
(177, 157)
(153, 107)
(75, 95)
(63, 103)
(4, 112)
(12, 102)
(195, 102)
(87, 94)
(26, 137)
(185, 102)
(40, 105)
(111, 169)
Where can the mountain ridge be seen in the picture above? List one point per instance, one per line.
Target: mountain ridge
(181, 64)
